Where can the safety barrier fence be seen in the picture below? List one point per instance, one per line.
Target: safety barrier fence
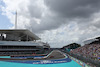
(79, 62)
(84, 59)
(55, 61)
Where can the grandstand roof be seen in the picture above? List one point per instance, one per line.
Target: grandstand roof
(89, 41)
(20, 32)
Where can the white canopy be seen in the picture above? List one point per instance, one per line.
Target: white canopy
(20, 33)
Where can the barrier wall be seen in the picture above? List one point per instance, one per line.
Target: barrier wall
(24, 57)
(79, 62)
(86, 60)
(65, 60)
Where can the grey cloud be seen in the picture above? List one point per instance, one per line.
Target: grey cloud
(74, 8)
(31, 10)
(47, 23)
(97, 25)
(59, 13)
(65, 11)
(37, 12)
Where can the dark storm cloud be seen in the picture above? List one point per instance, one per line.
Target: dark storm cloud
(74, 8)
(57, 14)
(37, 12)
(46, 23)
(63, 12)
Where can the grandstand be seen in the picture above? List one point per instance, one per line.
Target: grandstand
(90, 40)
(18, 42)
(90, 51)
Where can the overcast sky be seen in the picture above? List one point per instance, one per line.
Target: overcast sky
(58, 22)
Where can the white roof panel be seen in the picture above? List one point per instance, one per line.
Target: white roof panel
(20, 32)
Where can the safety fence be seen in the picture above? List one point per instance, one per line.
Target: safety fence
(65, 60)
(86, 60)
(79, 62)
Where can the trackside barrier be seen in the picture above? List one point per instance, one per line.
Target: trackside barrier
(86, 60)
(54, 61)
(79, 62)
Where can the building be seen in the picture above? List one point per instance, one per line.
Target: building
(18, 42)
(71, 46)
(91, 40)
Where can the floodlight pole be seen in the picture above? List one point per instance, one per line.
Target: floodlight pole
(16, 20)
